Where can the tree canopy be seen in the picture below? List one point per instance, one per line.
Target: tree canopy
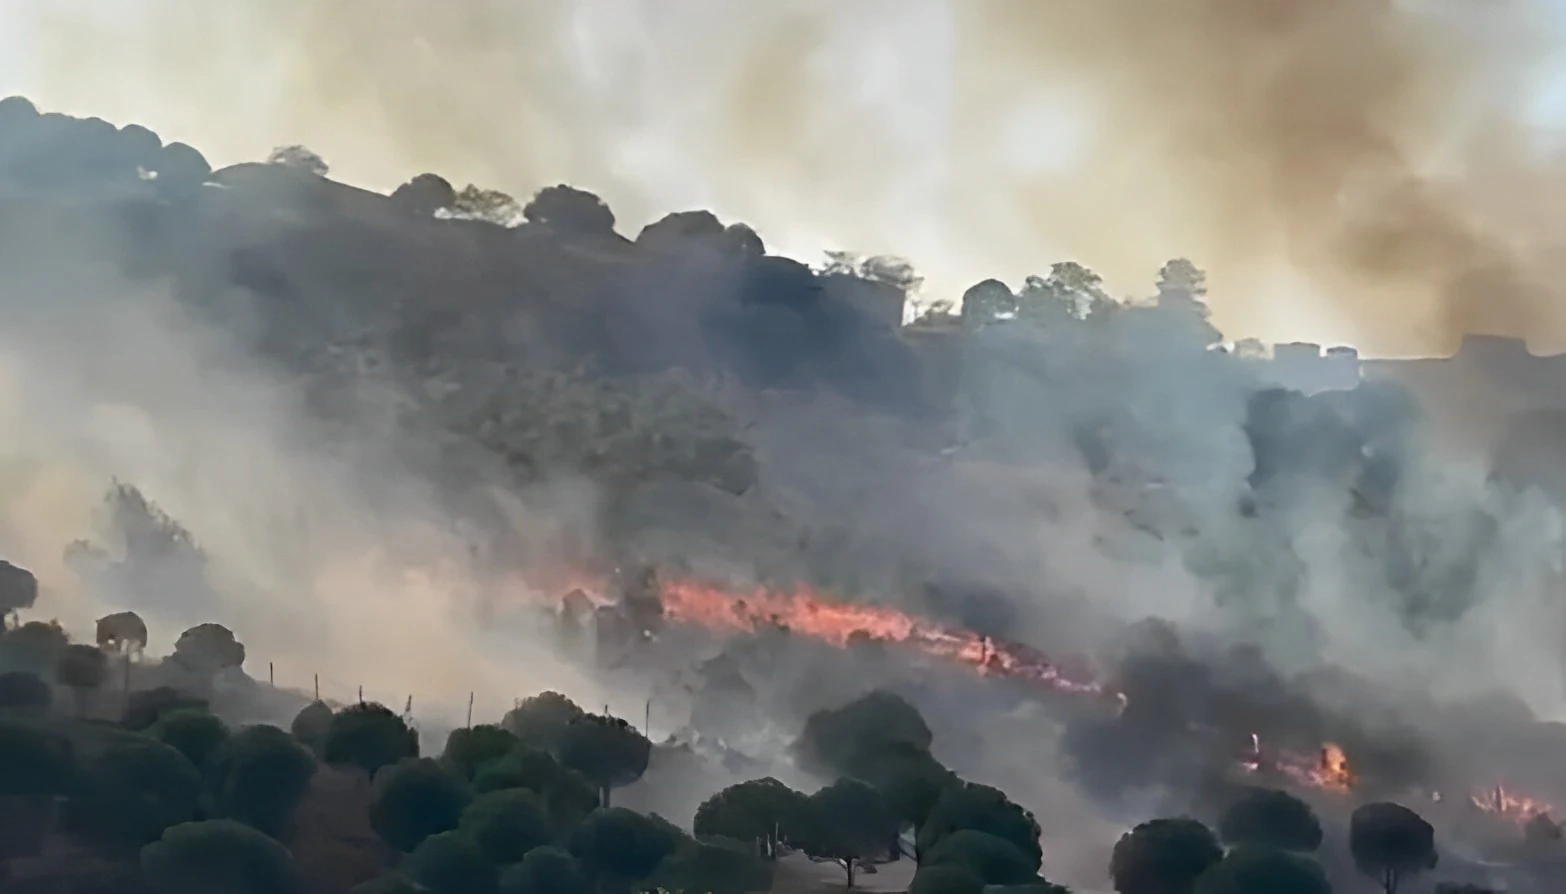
(370, 736)
(123, 633)
(540, 721)
(1271, 818)
(414, 800)
(852, 739)
(18, 589)
(993, 859)
(759, 810)
(1163, 856)
(1252, 869)
(507, 825)
(258, 777)
(1390, 843)
(23, 691)
(449, 863)
(622, 842)
(982, 809)
(470, 749)
(544, 870)
(219, 855)
(849, 822)
(132, 793)
(195, 734)
(607, 751)
(568, 796)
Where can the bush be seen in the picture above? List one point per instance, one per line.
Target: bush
(195, 734)
(448, 863)
(370, 736)
(506, 825)
(24, 692)
(219, 855)
(414, 800)
(136, 790)
(544, 870)
(471, 749)
(258, 777)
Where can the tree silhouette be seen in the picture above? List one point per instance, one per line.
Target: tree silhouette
(506, 825)
(258, 776)
(1250, 868)
(568, 796)
(849, 822)
(622, 843)
(544, 870)
(18, 591)
(911, 781)
(852, 740)
(414, 800)
(761, 810)
(541, 720)
(987, 302)
(311, 725)
(569, 209)
(949, 878)
(424, 195)
(1390, 842)
(82, 668)
(1163, 856)
(370, 736)
(122, 633)
(993, 859)
(470, 749)
(1270, 818)
(219, 855)
(145, 706)
(35, 768)
(449, 863)
(195, 734)
(606, 750)
(34, 647)
(138, 788)
(983, 809)
(715, 865)
(208, 648)
(24, 692)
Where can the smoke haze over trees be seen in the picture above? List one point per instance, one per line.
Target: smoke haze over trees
(267, 423)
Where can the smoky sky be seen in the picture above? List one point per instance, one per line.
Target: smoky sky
(1355, 170)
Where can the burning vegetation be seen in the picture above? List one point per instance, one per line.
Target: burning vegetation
(530, 344)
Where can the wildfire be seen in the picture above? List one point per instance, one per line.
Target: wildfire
(1328, 769)
(805, 611)
(1509, 805)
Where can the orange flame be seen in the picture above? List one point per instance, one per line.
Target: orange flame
(805, 611)
(1328, 770)
(1509, 805)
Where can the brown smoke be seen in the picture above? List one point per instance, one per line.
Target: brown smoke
(1373, 146)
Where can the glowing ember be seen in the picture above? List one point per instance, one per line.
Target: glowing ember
(805, 611)
(1510, 805)
(1328, 770)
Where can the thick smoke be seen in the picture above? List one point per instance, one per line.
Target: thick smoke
(327, 555)
(1117, 471)
(1376, 153)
